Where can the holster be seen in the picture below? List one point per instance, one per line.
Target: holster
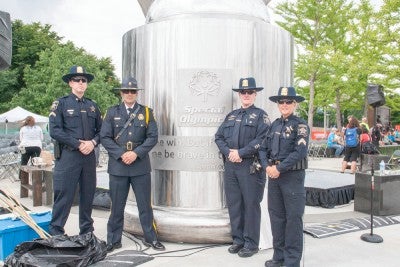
(255, 165)
(57, 149)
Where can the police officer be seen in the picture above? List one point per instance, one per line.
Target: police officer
(75, 123)
(129, 132)
(284, 156)
(238, 139)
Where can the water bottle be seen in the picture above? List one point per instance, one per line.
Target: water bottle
(381, 167)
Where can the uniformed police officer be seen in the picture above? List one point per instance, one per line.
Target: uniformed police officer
(75, 123)
(284, 156)
(129, 132)
(238, 139)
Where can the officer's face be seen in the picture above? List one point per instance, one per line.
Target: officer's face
(286, 107)
(247, 97)
(78, 85)
(129, 96)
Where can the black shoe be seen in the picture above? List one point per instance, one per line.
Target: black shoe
(235, 248)
(246, 252)
(111, 247)
(273, 263)
(154, 244)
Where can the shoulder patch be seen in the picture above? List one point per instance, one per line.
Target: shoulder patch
(54, 105)
(302, 130)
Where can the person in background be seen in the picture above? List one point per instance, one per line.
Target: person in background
(364, 137)
(333, 142)
(75, 123)
(238, 139)
(31, 137)
(364, 122)
(352, 145)
(128, 134)
(283, 155)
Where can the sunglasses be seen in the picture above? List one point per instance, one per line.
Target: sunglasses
(77, 80)
(246, 92)
(285, 101)
(129, 91)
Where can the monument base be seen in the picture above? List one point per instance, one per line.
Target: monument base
(183, 225)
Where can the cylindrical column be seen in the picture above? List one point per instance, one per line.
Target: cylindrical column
(188, 65)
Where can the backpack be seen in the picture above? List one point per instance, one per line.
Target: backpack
(351, 137)
(369, 148)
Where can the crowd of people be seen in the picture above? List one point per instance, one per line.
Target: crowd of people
(357, 138)
(255, 152)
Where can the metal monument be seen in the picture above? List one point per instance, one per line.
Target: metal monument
(188, 56)
(5, 40)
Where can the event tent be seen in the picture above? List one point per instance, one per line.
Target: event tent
(18, 114)
(11, 121)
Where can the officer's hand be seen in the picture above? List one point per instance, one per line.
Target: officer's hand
(234, 156)
(85, 147)
(129, 157)
(272, 172)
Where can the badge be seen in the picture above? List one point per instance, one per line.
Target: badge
(141, 117)
(70, 111)
(302, 130)
(54, 105)
(92, 109)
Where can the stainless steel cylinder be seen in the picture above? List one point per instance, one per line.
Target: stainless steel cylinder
(188, 64)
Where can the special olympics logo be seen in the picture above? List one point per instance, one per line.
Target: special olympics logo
(205, 84)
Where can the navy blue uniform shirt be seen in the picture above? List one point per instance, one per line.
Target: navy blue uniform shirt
(253, 127)
(66, 120)
(287, 142)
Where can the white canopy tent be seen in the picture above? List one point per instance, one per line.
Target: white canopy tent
(10, 121)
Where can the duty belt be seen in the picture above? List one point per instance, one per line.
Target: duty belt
(274, 162)
(129, 146)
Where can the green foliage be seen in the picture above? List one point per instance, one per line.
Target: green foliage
(44, 83)
(342, 46)
(40, 60)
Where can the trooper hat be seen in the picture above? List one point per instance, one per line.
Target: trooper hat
(129, 83)
(247, 84)
(286, 93)
(77, 71)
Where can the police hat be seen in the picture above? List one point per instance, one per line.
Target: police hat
(286, 93)
(247, 84)
(129, 84)
(77, 71)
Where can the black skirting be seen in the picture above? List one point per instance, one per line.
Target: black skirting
(327, 188)
(329, 198)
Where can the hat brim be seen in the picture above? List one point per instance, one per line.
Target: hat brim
(276, 98)
(125, 88)
(67, 77)
(257, 89)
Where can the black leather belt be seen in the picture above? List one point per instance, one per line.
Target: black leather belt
(129, 146)
(275, 162)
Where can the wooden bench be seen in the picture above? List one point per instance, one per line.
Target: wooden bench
(41, 181)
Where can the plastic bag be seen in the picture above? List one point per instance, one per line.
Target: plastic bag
(60, 250)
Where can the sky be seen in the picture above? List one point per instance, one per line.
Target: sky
(95, 25)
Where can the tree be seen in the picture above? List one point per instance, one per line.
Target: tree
(318, 28)
(28, 41)
(44, 83)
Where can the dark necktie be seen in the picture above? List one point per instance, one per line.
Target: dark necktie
(85, 124)
(276, 141)
(130, 111)
(236, 129)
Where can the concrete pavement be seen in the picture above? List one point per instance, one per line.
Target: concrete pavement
(341, 250)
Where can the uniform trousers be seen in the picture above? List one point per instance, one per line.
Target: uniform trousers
(71, 169)
(119, 189)
(286, 204)
(244, 192)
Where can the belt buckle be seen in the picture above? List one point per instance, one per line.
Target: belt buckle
(129, 146)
